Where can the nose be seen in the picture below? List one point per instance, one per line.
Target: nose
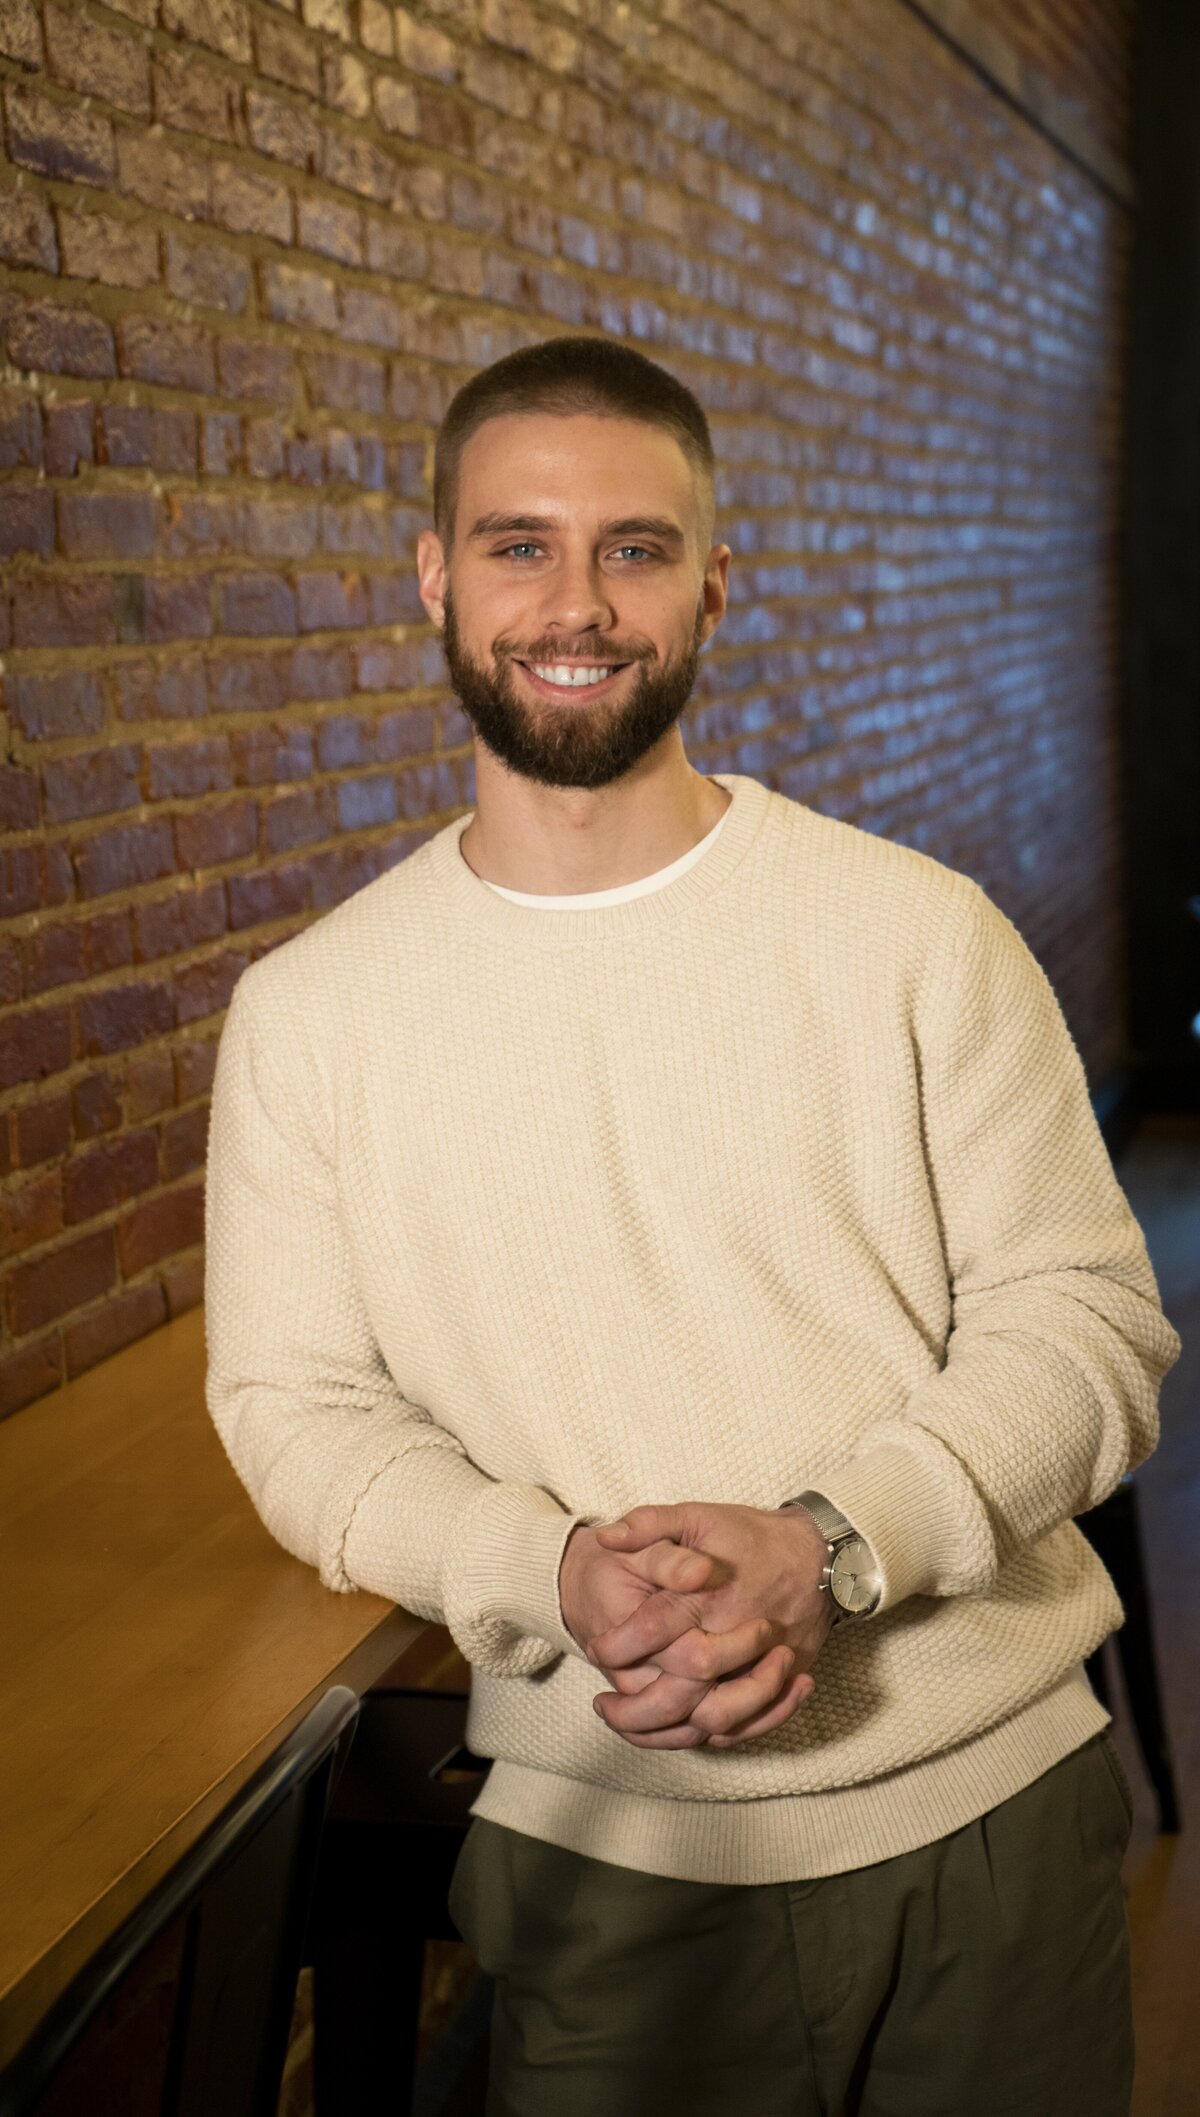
(576, 598)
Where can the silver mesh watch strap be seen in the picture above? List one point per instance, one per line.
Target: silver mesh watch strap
(832, 1525)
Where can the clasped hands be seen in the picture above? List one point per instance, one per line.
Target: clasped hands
(705, 1619)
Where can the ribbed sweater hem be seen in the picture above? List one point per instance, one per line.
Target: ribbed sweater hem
(799, 1837)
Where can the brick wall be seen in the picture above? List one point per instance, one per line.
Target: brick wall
(252, 250)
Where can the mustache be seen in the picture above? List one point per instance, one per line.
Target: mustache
(592, 650)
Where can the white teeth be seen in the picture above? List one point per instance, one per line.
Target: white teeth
(574, 679)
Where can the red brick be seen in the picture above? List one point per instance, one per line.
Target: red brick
(208, 273)
(64, 1279)
(34, 1045)
(176, 609)
(266, 894)
(57, 138)
(26, 521)
(166, 926)
(220, 444)
(27, 231)
(60, 341)
(250, 204)
(330, 227)
(65, 614)
(205, 988)
(111, 65)
(67, 950)
(179, 769)
(123, 856)
(256, 605)
(95, 1105)
(178, 355)
(195, 1067)
(149, 1085)
(326, 601)
(286, 131)
(291, 820)
(222, 25)
(165, 177)
(209, 837)
(194, 97)
(159, 1226)
(121, 253)
(270, 755)
(69, 439)
(124, 435)
(250, 368)
(345, 382)
(183, 1282)
(29, 1373)
(123, 1016)
(104, 525)
(172, 439)
(21, 33)
(173, 690)
(285, 54)
(184, 1142)
(293, 294)
(30, 1213)
(109, 1174)
(20, 810)
(245, 682)
(42, 1130)
(91, 783)
(122, 1318)
(10, 975)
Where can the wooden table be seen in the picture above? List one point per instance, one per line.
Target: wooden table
(156, 1644)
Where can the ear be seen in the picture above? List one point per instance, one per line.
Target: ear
(716, 590)
(431, 575)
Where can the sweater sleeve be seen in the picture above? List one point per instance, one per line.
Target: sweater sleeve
(344, 1471)
(1048, 1392)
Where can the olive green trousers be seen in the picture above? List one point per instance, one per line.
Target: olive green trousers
(985, 1975)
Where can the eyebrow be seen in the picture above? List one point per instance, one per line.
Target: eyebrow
(628, 526)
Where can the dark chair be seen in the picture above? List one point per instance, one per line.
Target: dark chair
(395, 1829)
(185, 2010)
(1113, 1531)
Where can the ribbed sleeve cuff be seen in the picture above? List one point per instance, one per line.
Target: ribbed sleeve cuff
(501, 1581)
(897, 1502)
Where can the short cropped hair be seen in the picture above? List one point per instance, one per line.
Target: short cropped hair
(565, 375)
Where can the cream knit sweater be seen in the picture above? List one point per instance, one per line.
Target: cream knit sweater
(775, 1170)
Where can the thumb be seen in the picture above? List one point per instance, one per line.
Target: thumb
(642, 1526)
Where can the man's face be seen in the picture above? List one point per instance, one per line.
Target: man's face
(577, 594)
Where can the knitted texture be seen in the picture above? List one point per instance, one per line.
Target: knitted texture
(784, 1175)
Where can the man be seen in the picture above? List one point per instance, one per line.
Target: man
(662, 1232)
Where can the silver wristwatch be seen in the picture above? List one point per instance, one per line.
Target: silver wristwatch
(851, 1573)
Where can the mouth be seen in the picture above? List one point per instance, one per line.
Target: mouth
(562, 679)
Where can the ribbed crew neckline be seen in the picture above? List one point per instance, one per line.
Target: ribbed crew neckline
(465, 894)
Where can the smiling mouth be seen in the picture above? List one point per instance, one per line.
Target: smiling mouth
(573, 676)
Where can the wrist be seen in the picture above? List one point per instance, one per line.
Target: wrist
(850, 1576)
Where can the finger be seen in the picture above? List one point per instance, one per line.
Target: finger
(667, 1703)
(684, 1737)
(669, 1565)
(641, 1526)
(742, 1698)
(709, 1655)
(664, 1617)
(627, 1681)
(791, 1698)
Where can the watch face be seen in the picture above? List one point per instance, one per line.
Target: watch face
(853, 1581)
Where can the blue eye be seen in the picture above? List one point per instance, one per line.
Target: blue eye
(509, 549)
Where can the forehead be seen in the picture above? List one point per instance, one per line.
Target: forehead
(577, 467)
